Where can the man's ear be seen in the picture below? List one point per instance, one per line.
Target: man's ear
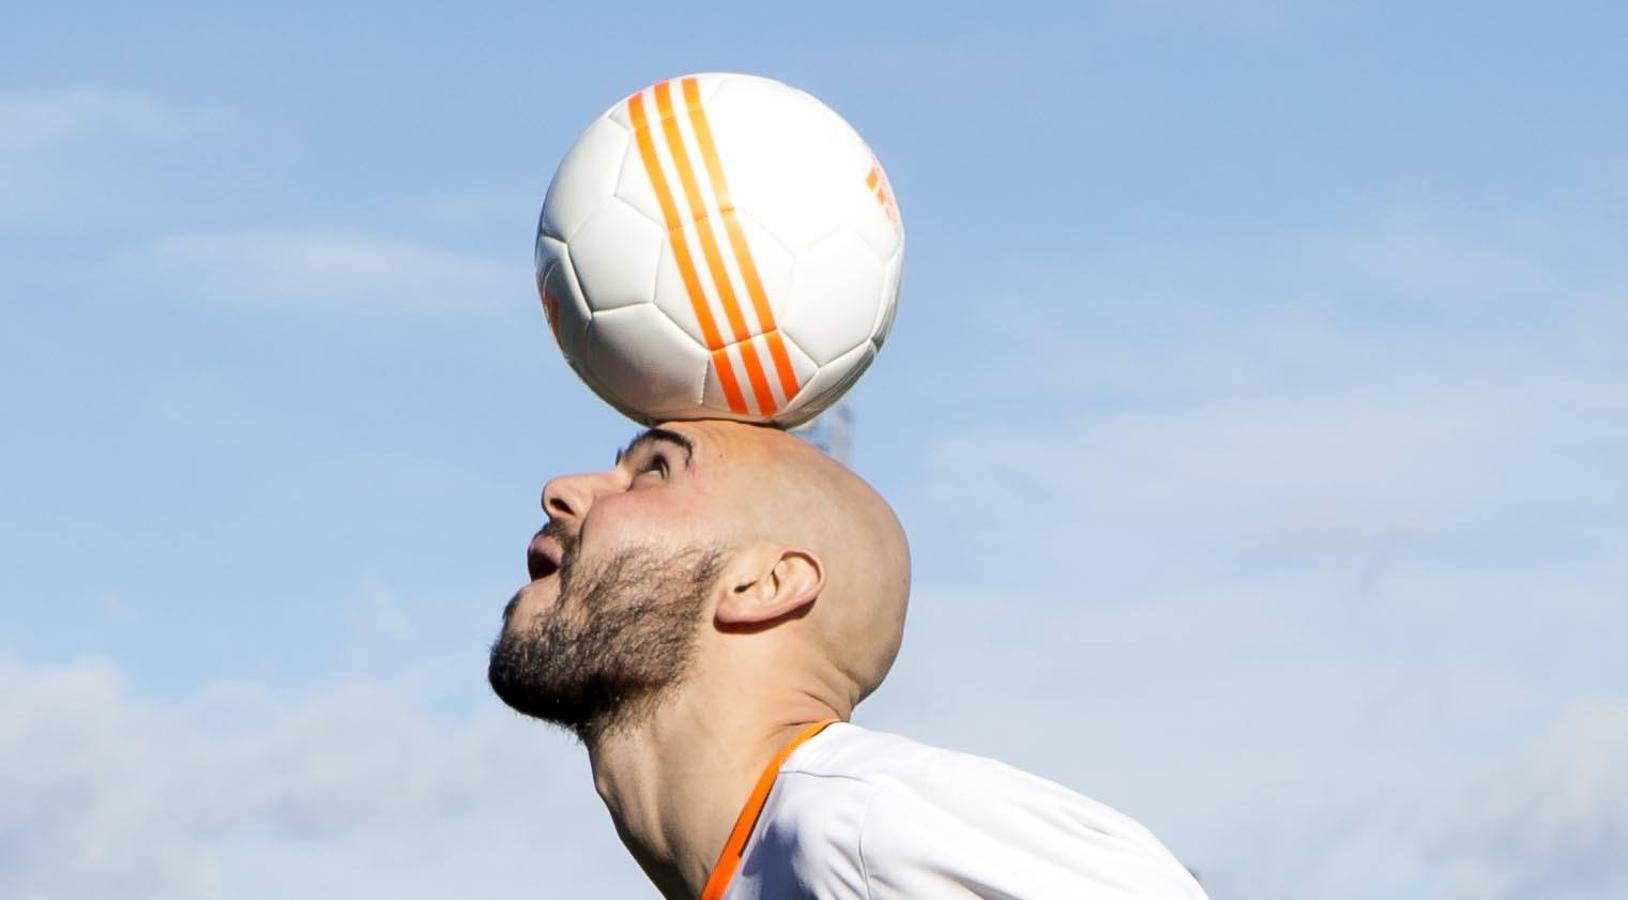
(766, 582)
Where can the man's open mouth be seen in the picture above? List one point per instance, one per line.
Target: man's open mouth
(543, 557)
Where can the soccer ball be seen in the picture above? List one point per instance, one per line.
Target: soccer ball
(723, 247)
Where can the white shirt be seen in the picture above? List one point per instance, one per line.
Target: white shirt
(865, 815)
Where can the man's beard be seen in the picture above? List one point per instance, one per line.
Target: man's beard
(620, 634)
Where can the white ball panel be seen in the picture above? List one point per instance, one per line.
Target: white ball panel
(892, 274)
(633, 185)
(792, 164)
(673, 299)
(638, 359)
(561, 297)
(828, 385)
(774, 266)
(619, 114)
(585, 179)
(633, 180)
(801, 363)
(836, 285)
(716, 403)
(870, 220)
(615, 255)
(708, 83)
(795, 411)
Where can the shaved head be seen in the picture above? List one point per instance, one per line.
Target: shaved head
(804, 584)
(787, 491)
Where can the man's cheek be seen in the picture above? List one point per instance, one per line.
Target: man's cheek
(628, 543)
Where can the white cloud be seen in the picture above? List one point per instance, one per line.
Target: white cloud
(1405, 384)
(1274, 730)
(1212, 716)
(1545, 822)
(1294, 474)
(67, 157)
(1275, 601)
(317, 267)
(513, 208)
(1548, 823)
(1407, 255)
(41, 122)
(355, 790)
(1280, 541)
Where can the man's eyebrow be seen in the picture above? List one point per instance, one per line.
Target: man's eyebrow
(652, 435)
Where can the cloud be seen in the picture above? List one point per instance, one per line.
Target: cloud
(1544, 822)
(1271, 544)
(1402, 384)
(42, 122)
(1461, 463)
(1547, 823)
(361, 788)
(320, 267)
(354, 790)
(1299, 564)
(513, 206)
(1288, 742)
(83, 159)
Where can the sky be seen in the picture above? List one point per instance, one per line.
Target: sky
(1256, 406)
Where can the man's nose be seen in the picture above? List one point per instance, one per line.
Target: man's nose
(569, 497)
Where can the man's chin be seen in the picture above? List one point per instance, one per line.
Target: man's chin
(596, 657)
(513, 674)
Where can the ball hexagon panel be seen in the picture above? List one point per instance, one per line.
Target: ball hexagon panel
(870, 219)
(888, 303)
(798, 410)
(615, 254)
(716, 402)
(791, 163)
(669, 294)
(832, 381)
(773, 262)
(585, 179)
(708, 83)
(633, 184)
(561, 297)
(836, 287)
(637, 358)
(713, 403)
(619, 113)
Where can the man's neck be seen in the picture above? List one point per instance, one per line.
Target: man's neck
(675, 781)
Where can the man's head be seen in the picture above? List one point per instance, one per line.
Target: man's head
(710, 551)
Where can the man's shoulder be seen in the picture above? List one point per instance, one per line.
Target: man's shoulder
(886, 782)
(832, 786)
(847, 751)
(900, 812)
(891, 764)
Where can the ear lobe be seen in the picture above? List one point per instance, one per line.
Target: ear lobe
(782, 581)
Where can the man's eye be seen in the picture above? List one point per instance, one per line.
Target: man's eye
(657, 464)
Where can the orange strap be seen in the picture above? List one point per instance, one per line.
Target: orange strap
(728, 861)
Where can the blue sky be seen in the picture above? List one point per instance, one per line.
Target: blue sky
(1255, 405)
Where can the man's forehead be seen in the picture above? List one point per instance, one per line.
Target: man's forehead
(671, 433)
(715, 439)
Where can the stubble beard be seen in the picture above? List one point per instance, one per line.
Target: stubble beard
(621, 634)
